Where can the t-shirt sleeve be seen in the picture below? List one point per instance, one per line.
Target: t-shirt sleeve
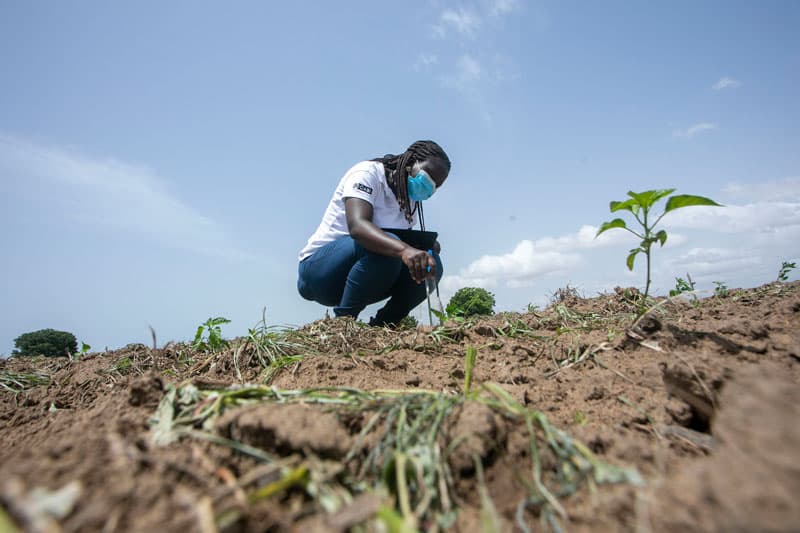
(362, 184)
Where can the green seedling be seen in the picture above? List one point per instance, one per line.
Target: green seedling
(721, 289)
(212, 341)
(83, 351)
(469, 364)
(640, 205)
(786, 267)
(682, 286)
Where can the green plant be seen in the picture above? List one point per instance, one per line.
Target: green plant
(409, 322)
(721, 289)
(640, 205)
(682, 286)
(471, 301)
(786, 267)
(83, 351)
(20, 381)
(47, 342)
(212, 341)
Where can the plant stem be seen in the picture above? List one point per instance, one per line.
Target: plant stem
(648, 242)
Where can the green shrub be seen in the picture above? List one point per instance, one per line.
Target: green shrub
(409, 322)
(47, 342)
(471, 301)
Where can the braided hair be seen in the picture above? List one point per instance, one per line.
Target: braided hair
(395, 167)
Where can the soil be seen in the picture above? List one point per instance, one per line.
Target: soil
(700, 397)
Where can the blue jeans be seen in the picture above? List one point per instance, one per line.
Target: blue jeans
(348, 277)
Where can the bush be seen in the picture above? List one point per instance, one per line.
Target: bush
(47, 342)
(471, 301)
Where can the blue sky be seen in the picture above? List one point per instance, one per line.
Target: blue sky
(163, 162)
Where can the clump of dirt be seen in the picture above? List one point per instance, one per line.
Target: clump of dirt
(699, 398)
(146, 390)
(476, 431)
(288, 429)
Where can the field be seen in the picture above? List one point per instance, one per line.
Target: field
(575, 418)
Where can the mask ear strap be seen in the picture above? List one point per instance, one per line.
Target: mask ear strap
(418, 209)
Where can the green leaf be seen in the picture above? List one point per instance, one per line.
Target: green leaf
(646, 199)
(662, 237)
(628, 205)
(687, 200)
(632, 258)
(469, 364)
(616, 223)
(199, 335)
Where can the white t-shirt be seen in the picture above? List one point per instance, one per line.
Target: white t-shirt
(367, 181)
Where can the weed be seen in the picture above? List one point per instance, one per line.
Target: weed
(209, 335)
(565, 295)
(786, 267)
(720, 289)
(122, 366)
(409, 322)
(80, 353)
(469, 364)
(640, 204)
(407, 455)
(450, 333)
(682, 286)
(514, 328)
(20, 381)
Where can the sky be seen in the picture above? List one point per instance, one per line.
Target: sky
(164, 162)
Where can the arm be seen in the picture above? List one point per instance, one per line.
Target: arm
(371, 237)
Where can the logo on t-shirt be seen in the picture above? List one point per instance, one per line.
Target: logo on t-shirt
(362, 187)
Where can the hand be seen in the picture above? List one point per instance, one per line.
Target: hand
(418, 262)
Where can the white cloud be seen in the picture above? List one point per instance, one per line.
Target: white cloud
(425, 62)
(465, 77)
(726, 83)
(464, 21)
(530, 260)
(787, 189)
(753, 219)
(468, 69)
(693, 130)
(107, 192)
(705, 262)
(502, 7)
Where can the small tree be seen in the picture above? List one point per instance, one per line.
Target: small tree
(471, 301)
(47, 342)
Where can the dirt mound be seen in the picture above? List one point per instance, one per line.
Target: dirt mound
(338, 424)
(751, 481)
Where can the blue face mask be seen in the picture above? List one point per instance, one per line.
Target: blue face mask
(421, 187)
